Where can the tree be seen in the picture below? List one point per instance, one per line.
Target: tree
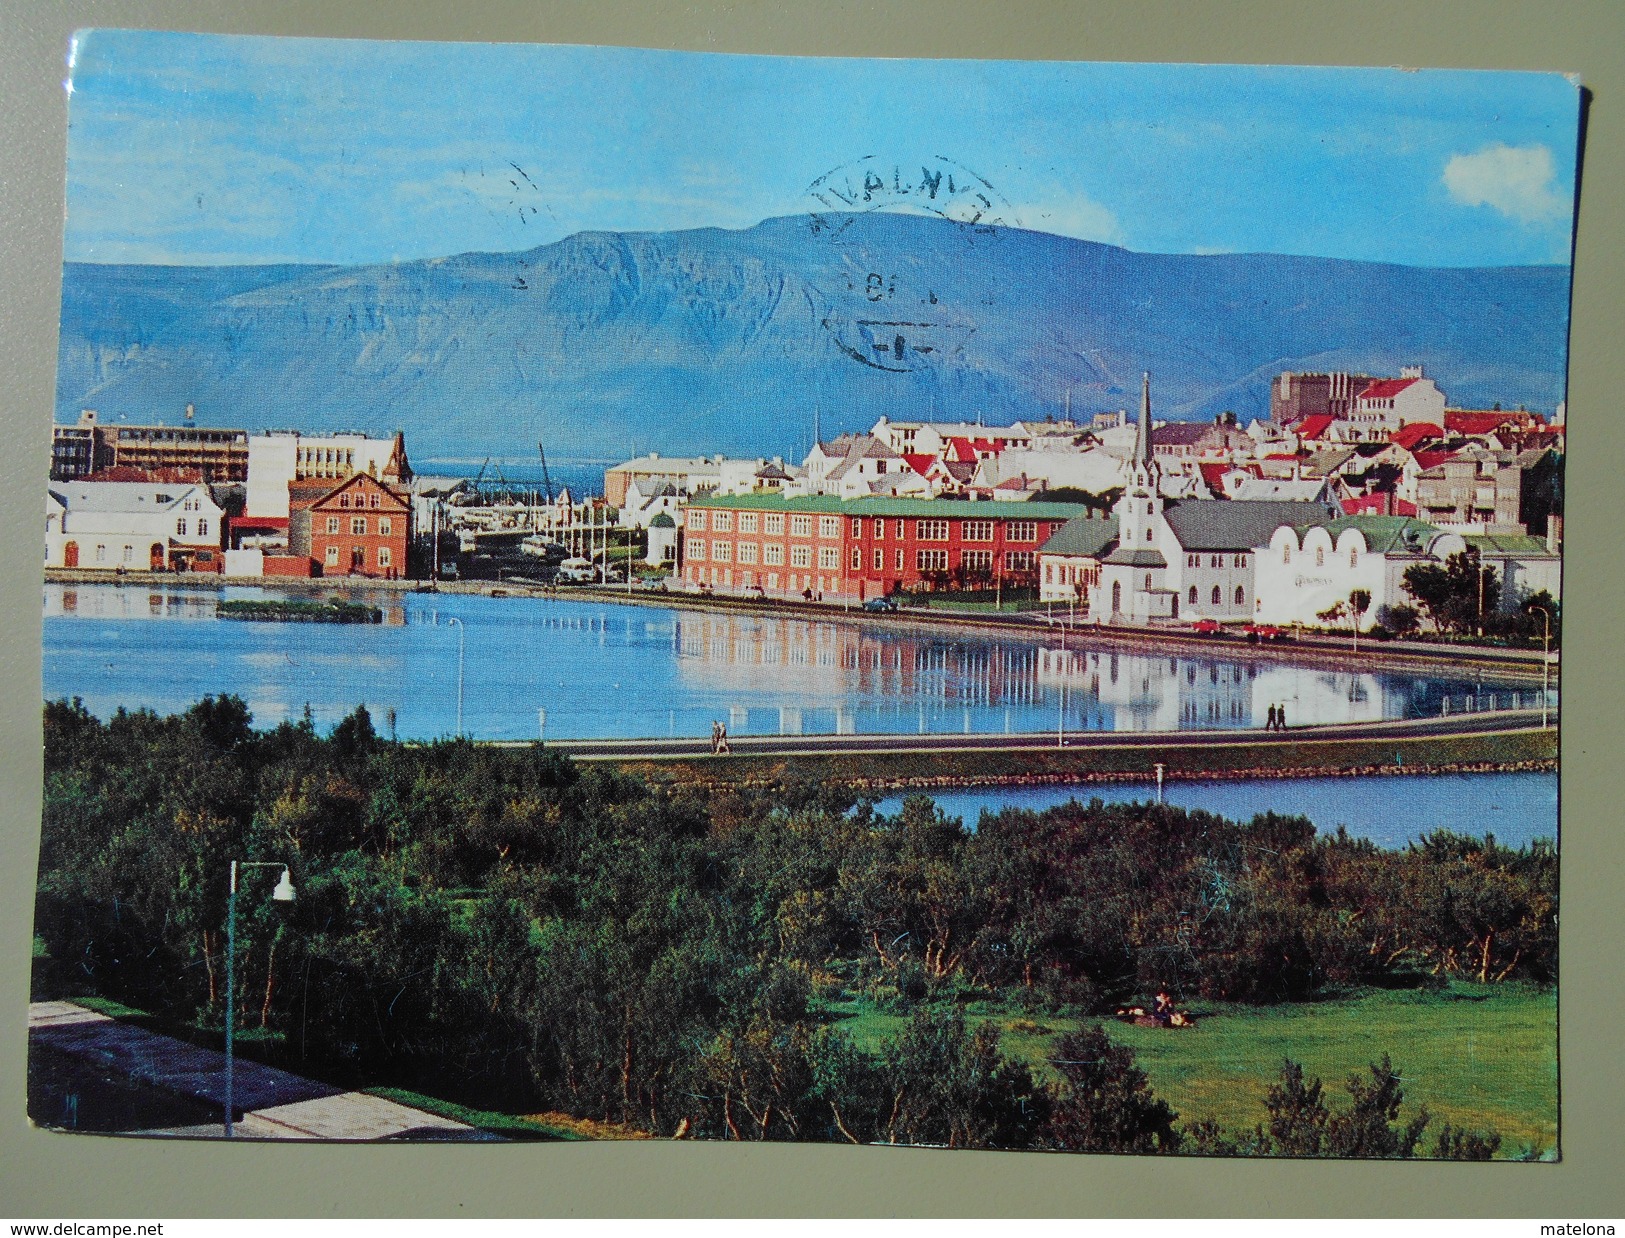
(1367, 1127)
(1457, 595)
(1400, 619)
(1106, 1104)
(1359, 602)
(1297, 1113)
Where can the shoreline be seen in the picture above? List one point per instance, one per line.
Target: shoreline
(1314, 649)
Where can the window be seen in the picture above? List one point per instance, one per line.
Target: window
(1217, 596)
(203, 528)
(721, 551)
(1354, 558)
(1193, 595)
(747, 552)
(385, 526)
(977, 560)
(344, 500)
(722, 522)
(747, 522)
(1018, 561)
(829, 526)
(696, 520)
(899, 531)
(180, 528)
(372, 501)
(931, 560)
(800, 526)
(880, 527)
(129, 554)
(358, 526)
(101, 554)
(857, 558)
(696, 548)
(773, 523)
(857, 527)
(332, 556)
(1191, 561)
(829, 558)
(1217, 561)
(1241, 560)
(1149, 536)
(1241, 596)
(332, 524)
(1027, 531)
(1320, 556)
(384, 557)
(800, 556)
(1148, 580)
(772, 580)
(977, 530)
(773, 554)
(931, 531)
(880, 559)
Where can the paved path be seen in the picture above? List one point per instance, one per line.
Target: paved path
(803, 745)
(274, 1103)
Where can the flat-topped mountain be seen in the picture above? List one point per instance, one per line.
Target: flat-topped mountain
(711, 340)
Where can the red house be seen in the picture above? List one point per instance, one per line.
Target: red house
(361, 527)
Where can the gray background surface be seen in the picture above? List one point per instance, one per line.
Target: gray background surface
(45, 1176)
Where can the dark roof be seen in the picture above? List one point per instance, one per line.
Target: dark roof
(1179, 433)
(1137, 558)
(662, 521)
(1237, 524)
(1082, 535)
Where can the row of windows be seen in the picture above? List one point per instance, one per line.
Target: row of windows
(772, 524)
(358, 525)
(182, 525)
(1217, 560)
(829, 558)
(358, 557)
(360, 500)
(1320, 556)
(1218, 596)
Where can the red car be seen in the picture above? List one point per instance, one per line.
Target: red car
(1264, 631)
(1207, 627)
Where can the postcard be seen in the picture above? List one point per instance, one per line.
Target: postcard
(594, 593)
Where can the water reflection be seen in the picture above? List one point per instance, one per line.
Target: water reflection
(605, 670)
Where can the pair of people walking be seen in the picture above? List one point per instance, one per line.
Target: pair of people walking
(1275, 720)
(719, 738)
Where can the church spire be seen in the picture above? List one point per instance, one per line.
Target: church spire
(1142, 440)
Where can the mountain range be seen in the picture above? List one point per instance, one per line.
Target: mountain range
(606, 343)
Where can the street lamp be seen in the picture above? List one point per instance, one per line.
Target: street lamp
(283, 893)
(461, 634)
(1160, 770)
(1545, 662)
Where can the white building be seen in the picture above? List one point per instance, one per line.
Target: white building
(284, 456)
(1091, 468)
(1390, 403)
(1306, 571)
(1186, 558)
(931, 438)
(132, 526)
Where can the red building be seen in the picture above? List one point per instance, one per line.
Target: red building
(361, 527)
(855, 549)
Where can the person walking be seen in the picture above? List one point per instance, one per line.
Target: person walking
(1269, 722)
(1280, 717)
(722, 738)
(716, 737)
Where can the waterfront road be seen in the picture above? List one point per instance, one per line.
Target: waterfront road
(1488, 722)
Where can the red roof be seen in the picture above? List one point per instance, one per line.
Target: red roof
(1385, 388)
(1314, 426)
(1428, 459)
(1213, 472)
(1487, 421)
(1417, 432)
(1383, 503)
(919, 462)
(962, 450)
(1280, 455)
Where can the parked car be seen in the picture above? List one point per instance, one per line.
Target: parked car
(1207, 627)
(1263, 632)
(575, 572)
(880, 605)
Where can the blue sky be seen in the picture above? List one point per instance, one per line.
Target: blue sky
(214, 149)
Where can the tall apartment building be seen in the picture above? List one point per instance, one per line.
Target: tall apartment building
(285, 456)
(1296, 396)
(216, 454)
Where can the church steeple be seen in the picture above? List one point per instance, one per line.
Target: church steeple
(1142, 439)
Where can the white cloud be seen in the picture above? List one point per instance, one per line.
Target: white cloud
(1075, 216)
(1518, 181)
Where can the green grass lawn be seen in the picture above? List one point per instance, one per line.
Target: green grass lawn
(1481, 1056)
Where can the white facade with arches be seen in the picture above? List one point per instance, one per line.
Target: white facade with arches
(1306, 571)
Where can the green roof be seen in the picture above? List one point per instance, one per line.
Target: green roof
(1509, 544)
(951, 509)
(1383, 534)
(662, 521)
(1138, 558)
(1082, 535)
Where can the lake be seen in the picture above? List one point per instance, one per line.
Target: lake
(1391, 810)
(567, 669)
